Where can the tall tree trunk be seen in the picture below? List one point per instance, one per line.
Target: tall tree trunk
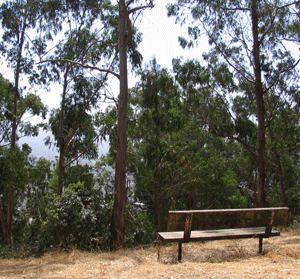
(7, 224)
(279, 171)
(4, 223)
(117, 240)
(157, 160)
(280, 175)
(62, 146)
(261, 196)
(157, 182)
(158, 208)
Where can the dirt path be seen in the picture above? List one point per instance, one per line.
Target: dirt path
(217, 259)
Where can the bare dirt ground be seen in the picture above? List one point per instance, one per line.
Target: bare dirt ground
(216, 259)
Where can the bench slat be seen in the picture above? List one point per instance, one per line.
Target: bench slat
(217, 234)
(228, 219)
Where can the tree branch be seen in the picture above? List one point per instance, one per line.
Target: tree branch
(81, 65)
(82, 153)
(276, 78)
(289, 4)
(141, 8)
(127, 13)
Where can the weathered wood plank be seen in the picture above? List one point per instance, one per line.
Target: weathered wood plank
(227, 219)
(217, 234)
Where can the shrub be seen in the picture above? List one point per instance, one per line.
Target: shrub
(78, 219)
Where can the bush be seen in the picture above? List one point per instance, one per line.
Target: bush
(139, 228)
(76, 219)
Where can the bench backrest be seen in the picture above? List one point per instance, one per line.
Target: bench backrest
(228, 218)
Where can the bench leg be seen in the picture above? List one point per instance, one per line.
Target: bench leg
(179, 251)
(260, 245)
(158, 249)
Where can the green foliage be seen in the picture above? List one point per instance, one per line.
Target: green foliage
(140, 229)
(234, 108)
(20, 251)
(82, 173)
(76, 219)
(80, 218)
(177, 159)
(238, 201)
(14, 164)
(6, 101)
(79, 132)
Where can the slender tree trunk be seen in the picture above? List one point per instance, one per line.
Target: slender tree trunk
(157, 159)
(158, 209)
(157, 183)
(118, 215)
(279, 172)
(261, 196)
(4, 223)
(62, 146)
(280, 175)
(7, 224)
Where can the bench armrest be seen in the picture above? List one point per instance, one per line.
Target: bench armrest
(270, 223)
(188, 226)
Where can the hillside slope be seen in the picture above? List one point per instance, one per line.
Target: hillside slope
(217, 259)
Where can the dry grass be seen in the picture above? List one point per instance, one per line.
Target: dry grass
(217, 259)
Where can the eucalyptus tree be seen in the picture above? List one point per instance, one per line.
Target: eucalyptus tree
(118, 37)
(205, 97)
(283, 146)
(22, 44)
(6, 101)
(177, 162)
(73, 124)
(81, 63)
(15, 163)
(125, 40)
(249, 39)
(29, 105)
(154, 119)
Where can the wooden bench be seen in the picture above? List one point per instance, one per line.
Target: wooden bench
(203, 225)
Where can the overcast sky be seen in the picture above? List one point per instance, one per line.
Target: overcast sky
(160, 36)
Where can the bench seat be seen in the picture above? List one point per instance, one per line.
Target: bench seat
(217, 234)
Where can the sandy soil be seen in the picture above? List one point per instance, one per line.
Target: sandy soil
(217, 259)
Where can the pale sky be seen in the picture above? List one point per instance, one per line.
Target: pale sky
(160, 36)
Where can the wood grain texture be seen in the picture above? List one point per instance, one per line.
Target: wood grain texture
(228, 218)
(217, 234)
